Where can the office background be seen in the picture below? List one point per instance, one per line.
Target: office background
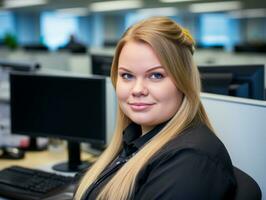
(225, 24)
(229, 32)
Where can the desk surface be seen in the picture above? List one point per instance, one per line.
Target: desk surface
(42, 159)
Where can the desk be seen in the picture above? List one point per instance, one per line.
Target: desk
(42, 159)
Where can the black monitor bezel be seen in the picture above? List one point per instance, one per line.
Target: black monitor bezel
(240, 69)
(96, 69)
(47, 135)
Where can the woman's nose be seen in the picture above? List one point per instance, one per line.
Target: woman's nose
(140, 89)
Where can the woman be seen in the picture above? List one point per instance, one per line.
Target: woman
(163, 146)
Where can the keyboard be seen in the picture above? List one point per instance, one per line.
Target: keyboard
(20, 183)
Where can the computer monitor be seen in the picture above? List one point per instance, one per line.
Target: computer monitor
(234, 80)
(101, 64)
(20, 65)
(110, 42)
(35, 47)
(74, 108)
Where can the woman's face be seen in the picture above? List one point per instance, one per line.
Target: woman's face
(146, 93)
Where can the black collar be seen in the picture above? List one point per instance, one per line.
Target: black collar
(132, 139)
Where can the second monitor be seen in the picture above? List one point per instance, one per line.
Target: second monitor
(101, 64)
(234, 80)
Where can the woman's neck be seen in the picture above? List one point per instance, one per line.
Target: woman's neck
(146, 129)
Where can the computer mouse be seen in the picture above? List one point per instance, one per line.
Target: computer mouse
(11, 153)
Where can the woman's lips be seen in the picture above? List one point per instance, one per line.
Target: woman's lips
(140, 106)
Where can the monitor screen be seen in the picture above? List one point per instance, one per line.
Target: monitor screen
(101, 64)
(66, 107)
(58, 106)
(234, 80)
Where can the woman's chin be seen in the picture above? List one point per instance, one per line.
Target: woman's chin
(143, 122)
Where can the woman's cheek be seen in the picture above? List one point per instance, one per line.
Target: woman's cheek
(122, 92)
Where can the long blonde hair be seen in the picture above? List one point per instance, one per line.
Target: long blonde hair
(174, 47)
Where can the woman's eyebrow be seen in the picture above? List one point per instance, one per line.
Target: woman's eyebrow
(123, 68)
(155, 68)
(151, 69)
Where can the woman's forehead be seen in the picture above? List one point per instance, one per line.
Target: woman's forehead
(138, 53)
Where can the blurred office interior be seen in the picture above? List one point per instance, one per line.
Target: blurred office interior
(79, 37)
(229, 32)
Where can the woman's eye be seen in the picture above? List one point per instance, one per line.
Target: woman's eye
(156, 75)
(126, 76)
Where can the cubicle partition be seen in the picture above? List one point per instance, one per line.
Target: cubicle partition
(59, 60)
(241, 125)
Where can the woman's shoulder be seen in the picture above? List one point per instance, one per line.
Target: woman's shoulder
(183, 163)
(198, 137)
(199, 140)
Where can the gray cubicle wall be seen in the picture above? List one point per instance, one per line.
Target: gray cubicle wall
(241, 125)
(64, 61)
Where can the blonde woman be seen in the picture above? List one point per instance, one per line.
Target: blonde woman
(163, 146)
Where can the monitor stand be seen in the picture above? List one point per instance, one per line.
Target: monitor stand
(74, 163)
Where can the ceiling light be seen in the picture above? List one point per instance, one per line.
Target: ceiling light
(215, 6)
(166, 11)
(22, 3)
(248, 13)
(115, 5)
(73, 11)
(175, 1)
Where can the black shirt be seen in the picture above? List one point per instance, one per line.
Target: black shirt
(193, 165)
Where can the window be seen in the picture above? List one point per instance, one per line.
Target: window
(56, 28)
(214, 29)
(7, 24)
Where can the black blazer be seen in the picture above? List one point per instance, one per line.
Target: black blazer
(193, 165)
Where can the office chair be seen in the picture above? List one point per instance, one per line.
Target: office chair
(247, 188)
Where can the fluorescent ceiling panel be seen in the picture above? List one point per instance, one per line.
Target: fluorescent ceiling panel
(22, 3)
(115, 5)
(73, 11)
(175, 1)
(248, 13)
(167, 11)
(215, 6)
